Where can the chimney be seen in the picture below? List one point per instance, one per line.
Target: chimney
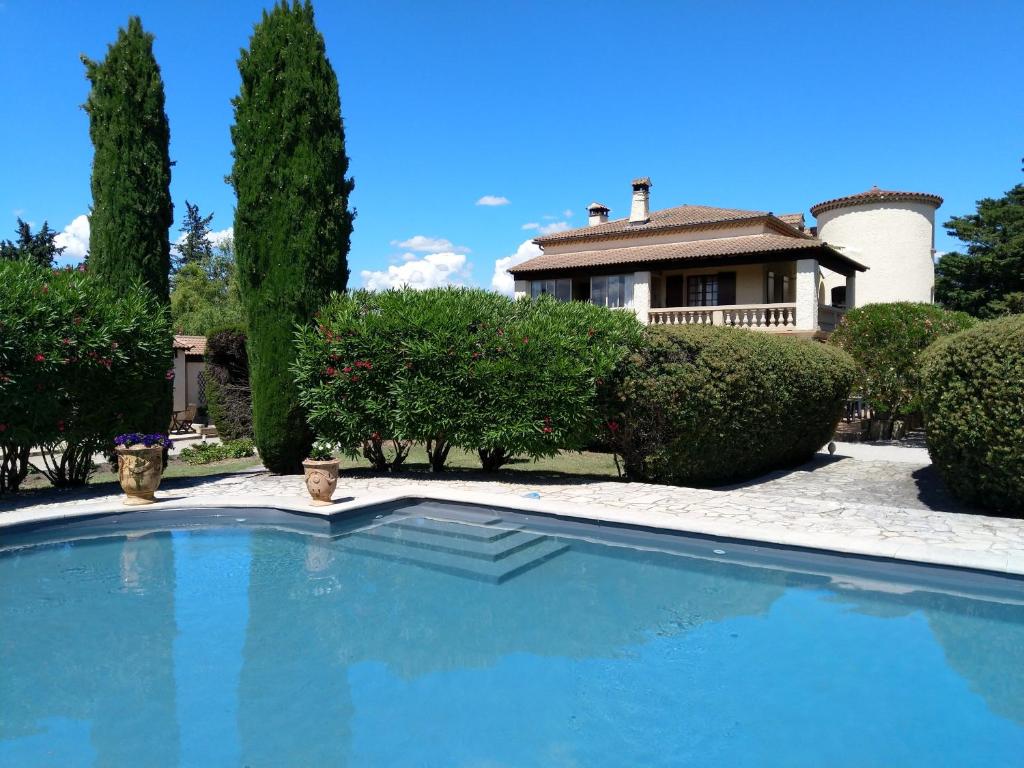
(640, 212)
(597, 213)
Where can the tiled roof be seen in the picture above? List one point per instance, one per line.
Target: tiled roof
(793, 219)
(193, 345)
(876, 195)
(693, 249)
(667, 218)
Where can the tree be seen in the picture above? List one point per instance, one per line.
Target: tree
(195, 245)
(205, 293)
(292, 222)
(988, 280)
(39, 248)
(131, 169)
(131, 175)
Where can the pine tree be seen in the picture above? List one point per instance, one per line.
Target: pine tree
(39, 247)
(195, 245)
(292, 222)
(131, 176)
(131, 168)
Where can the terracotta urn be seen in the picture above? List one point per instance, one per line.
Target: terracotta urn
(139, 470)
(321, 479)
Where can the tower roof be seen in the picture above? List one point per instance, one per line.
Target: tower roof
(875, 195)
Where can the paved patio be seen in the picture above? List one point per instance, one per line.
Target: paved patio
(865, 499)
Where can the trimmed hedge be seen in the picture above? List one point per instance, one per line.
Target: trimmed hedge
(457, 367)
(885, 341)
(226, 383)
(80, 362)
(704, 406)
(206, 453)
(973, 397)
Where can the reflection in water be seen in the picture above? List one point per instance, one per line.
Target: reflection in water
(263, 648)
(86, 632)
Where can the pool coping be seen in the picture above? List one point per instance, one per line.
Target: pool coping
(1000, 563)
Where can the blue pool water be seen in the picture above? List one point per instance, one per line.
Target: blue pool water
(431, 635)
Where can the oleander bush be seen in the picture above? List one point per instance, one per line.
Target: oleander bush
(226, 383)
(973, 396)
(703, 406)
(885, 341)
(205, 453)
(457, 367)
(80, 362)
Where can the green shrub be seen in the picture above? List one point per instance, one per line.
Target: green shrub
(974, 412)
(885, 341)
(226, 383)
(204, 453)
(704, 406)
(80, 362)
(456, 367)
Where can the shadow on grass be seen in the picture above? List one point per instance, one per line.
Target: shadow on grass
(507, 474)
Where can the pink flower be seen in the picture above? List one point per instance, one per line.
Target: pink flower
(169, 375)
(526, 339)
(347, 369)
(331, 370)
(40, 358)
(547, 430)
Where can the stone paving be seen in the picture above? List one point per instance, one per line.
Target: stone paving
(892, 508)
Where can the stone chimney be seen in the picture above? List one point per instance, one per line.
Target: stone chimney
(597, 213)
(640, 212)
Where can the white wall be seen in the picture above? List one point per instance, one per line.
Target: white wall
(895, 240)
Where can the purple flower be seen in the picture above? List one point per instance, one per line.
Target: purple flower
(131, 439)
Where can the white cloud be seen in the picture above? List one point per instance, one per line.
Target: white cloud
(433, 270)
(547, 229)
(567, 213)
(502, 281)
(493, 200)
(218, 237)
(74, 239)
(425, 244)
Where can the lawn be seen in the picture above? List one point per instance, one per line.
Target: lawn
(599, 465)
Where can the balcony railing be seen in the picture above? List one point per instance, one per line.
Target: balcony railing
(764, 317)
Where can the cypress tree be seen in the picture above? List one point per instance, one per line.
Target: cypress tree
(131, 176)
(292, 222)
(131, 167)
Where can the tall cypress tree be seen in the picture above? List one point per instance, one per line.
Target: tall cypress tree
(292, 223)
(131, 197)
(131, 167)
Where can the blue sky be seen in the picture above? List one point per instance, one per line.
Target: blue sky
(549, 105)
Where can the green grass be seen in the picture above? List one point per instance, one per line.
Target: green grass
(586, 463)
(175, 468)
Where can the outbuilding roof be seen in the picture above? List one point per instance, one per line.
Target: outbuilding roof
(193, 345)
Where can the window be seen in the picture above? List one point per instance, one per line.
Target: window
(612, 290)
(779, 288)
(702, 291)
(560, 289)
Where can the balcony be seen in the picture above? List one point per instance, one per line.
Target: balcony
(771, 318)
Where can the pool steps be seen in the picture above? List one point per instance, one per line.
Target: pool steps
(477, 550)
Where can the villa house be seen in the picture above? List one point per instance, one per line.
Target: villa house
(754, 269)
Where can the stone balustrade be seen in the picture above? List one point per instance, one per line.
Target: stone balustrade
(764, 317)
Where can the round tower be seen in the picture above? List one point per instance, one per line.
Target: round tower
(892, 234)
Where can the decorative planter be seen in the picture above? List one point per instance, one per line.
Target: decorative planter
(139, 470)
(321, 479)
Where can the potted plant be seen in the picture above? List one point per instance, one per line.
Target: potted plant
(140, 464)
(321, 470)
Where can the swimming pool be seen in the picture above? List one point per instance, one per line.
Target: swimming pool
(430, 634)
